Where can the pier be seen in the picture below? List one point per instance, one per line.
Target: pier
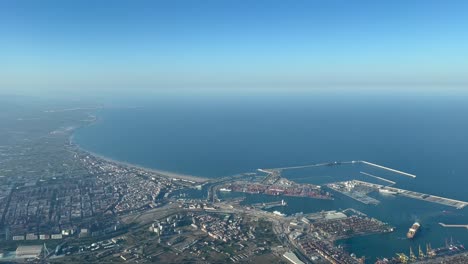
(459, 226)
(388, 169)
(377, 177)
(417, 195)
(312, 165)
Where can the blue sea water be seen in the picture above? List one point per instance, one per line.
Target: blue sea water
(219, 136)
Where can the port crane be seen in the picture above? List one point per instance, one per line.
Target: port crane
(402, 258)
(421, 254)
(412, 257)
(429, 252)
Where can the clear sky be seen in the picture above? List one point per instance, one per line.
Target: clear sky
(224, 45)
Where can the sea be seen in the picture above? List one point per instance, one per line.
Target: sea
(216, 136)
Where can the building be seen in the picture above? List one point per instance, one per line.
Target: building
(83, 233)
(33, 251)
(31, 236)
(56, 236)
(44, 237)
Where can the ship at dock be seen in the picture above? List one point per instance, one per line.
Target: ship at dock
(413, 230)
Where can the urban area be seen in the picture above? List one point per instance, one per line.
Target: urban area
(62, 204)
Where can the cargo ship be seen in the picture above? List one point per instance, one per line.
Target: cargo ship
(412, 231)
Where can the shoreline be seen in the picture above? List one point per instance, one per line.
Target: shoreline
(168, 174)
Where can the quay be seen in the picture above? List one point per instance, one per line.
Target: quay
(417, 195)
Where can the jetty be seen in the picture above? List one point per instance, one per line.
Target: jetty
(377, 177)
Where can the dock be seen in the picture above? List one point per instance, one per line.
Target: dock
(417, 195)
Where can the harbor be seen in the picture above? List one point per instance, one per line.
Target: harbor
(416, 195)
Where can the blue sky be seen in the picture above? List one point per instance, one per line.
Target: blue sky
(223, 45)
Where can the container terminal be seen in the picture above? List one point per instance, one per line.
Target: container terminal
(450, 253)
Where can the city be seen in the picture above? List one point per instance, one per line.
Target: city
(228, 131)
(87, 208)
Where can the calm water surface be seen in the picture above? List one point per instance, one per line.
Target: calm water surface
(215, 137)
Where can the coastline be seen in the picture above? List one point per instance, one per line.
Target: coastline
(168, 174)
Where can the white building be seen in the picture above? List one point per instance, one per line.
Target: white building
(33, 251)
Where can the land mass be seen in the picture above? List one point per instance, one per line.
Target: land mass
(89, 208)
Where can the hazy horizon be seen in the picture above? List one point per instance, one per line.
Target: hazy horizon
(192, 47)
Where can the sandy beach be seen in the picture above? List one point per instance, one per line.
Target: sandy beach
(173, 175)
(168, 174)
